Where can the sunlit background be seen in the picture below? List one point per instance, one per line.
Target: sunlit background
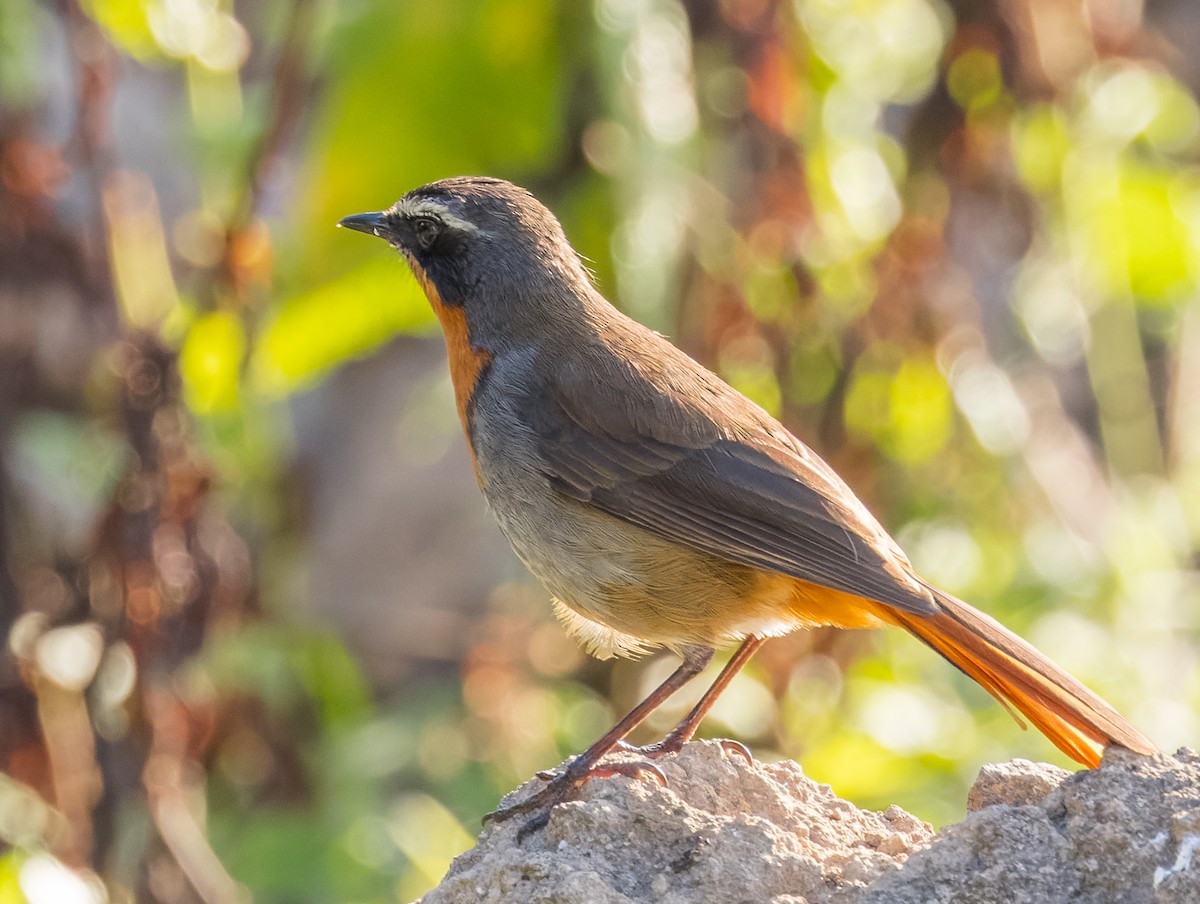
(261, 639)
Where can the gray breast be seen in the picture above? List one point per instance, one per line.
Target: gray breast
(569, 546)
(624, 587)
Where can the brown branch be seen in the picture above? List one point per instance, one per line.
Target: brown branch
(287, 95)
(91, 139)
(71, 751)
(165, 780)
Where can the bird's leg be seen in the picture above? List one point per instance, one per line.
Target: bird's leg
(586, 765)
(685, 730)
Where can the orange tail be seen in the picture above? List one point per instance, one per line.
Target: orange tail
(1079, 723)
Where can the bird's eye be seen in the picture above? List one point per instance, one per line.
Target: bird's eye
(426, 232)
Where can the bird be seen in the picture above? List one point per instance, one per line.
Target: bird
(659, 506)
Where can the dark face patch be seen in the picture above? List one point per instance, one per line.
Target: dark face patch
(435, 236)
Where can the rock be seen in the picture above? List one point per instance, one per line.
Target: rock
(731, 832)
(1120, 834)
(724, 830)
(1015, 784)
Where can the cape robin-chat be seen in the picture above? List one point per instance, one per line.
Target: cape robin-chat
(659, 505)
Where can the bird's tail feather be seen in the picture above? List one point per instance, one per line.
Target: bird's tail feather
(1079, 723)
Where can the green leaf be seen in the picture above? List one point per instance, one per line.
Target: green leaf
(10, 885)
(343, 319)
(210, 362)
(1135, 241)
(127, 24)
(1040, 143)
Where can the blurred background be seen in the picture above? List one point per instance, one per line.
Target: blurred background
(261, 640)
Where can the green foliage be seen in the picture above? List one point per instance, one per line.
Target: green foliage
(10, 869)
(17, 32)
(907, 413)
(425, 91)
(348, 316)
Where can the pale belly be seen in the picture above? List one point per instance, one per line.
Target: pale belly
(620, 589)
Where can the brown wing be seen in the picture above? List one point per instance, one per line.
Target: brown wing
(695, 462)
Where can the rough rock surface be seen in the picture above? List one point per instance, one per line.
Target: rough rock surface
(1016, 784)
(732, 832)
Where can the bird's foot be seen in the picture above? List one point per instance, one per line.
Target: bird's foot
(671, 744)
(564, 785)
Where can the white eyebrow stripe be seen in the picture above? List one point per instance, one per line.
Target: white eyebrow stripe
(425, 207)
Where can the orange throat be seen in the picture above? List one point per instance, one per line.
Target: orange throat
(467, 362)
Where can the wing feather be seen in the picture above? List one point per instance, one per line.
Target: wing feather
(754, 495)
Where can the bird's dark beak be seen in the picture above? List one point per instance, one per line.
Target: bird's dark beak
(370, 223)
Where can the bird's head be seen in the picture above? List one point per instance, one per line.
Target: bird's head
(484, 245)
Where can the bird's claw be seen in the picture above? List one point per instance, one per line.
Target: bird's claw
(563, 786)
(669, 745)
(631, 770)
(731, 746)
